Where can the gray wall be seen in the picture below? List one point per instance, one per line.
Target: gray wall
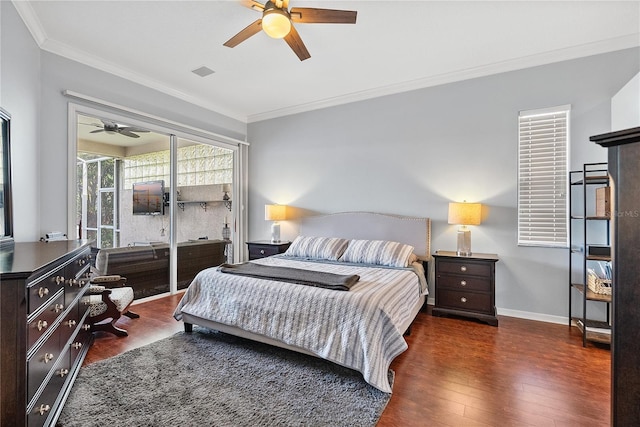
(414, 152)
(32, 83)
(20, 96)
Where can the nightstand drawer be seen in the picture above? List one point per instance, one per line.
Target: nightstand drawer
(261, 251)
(462, 283)
(471, 301)
(464, 267)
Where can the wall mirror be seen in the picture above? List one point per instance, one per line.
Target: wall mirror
(6, 217)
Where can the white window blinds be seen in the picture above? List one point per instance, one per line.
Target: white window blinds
(542, 177)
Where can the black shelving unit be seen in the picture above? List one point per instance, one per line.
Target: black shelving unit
(595, 230)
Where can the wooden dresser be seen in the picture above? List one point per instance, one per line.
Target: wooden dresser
(465, 286)
(43, 335)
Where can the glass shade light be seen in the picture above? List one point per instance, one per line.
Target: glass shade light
(276, 23)
(464, 214)
(275, 213)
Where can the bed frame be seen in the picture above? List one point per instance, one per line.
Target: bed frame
(351, 225)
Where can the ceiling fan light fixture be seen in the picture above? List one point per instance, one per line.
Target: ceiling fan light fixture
(276, 23)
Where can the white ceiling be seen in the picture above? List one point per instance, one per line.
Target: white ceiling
(394, 46)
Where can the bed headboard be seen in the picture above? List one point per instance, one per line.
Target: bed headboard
(373, 226)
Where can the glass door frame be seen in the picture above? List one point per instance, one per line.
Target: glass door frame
(174, 131)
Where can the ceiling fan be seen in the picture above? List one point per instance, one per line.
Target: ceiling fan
(112, 127)
(277, 21)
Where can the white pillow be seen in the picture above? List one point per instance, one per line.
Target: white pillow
(378, 252)
(329, 248)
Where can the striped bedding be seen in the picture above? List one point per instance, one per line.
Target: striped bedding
(358, 329)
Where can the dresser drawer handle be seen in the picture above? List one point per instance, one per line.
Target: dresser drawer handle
(463, 283)
(81, 262)
(43, 409)
(71, 323)
(48, 357)
(81, 283)
(72, 282)
(463, 299)
(58, 308)
(42, 292)
(463, 268)
(42, 324)
(86, 327)
(261, 251)
(62, 372)
(77, 345)
(59, 279)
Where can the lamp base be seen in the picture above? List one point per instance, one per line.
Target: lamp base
(275, 232)
(464, 242)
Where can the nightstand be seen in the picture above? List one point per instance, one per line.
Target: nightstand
(465, 286)
(264, 248)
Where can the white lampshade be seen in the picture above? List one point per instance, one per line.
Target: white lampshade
(226, 188)
(275, 212)
(465, 213)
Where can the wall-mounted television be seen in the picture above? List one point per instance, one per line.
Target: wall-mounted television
(148, 198)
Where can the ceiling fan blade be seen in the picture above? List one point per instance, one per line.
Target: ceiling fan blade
(132, 129)
(244, 34)
(309, 15)
(125, 132)
(295, 42)
(251, 4)
(97, 130)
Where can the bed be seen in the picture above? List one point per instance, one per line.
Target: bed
(362, 328)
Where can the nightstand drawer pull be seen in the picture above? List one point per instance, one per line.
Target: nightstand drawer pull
(463, 299)
(261, 251)
(463, 283)
(463, 268)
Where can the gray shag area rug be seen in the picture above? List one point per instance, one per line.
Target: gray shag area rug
(208, 378)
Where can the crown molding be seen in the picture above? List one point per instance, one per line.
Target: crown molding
(31, 20)
(574, 52)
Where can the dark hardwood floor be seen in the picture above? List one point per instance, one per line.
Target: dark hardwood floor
(458, 372)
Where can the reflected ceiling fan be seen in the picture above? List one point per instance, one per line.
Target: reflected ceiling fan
(112, 127)
(277, 21)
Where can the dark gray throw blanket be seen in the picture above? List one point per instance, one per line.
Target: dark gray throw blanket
(320, 279)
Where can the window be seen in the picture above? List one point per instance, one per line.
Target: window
(542, 177)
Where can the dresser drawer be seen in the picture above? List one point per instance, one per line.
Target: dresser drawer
(45, 320)
(39, 293)
(460, 300)
(461, 283)
(43, 406)
(464, 267)
(39, 365)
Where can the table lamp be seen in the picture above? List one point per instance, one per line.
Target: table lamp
(464, 214)
(275, 213)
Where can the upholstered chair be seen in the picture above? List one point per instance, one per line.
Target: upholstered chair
(109, 299)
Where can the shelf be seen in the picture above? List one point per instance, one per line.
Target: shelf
(597, 331)
(598, 218)
(592, 296)
(202, 203)
(598, 257)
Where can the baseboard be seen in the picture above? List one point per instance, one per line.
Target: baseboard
(539, 317)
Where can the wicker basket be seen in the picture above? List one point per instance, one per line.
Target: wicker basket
(598, 285)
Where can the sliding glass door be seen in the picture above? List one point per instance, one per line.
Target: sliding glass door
(157, 233)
